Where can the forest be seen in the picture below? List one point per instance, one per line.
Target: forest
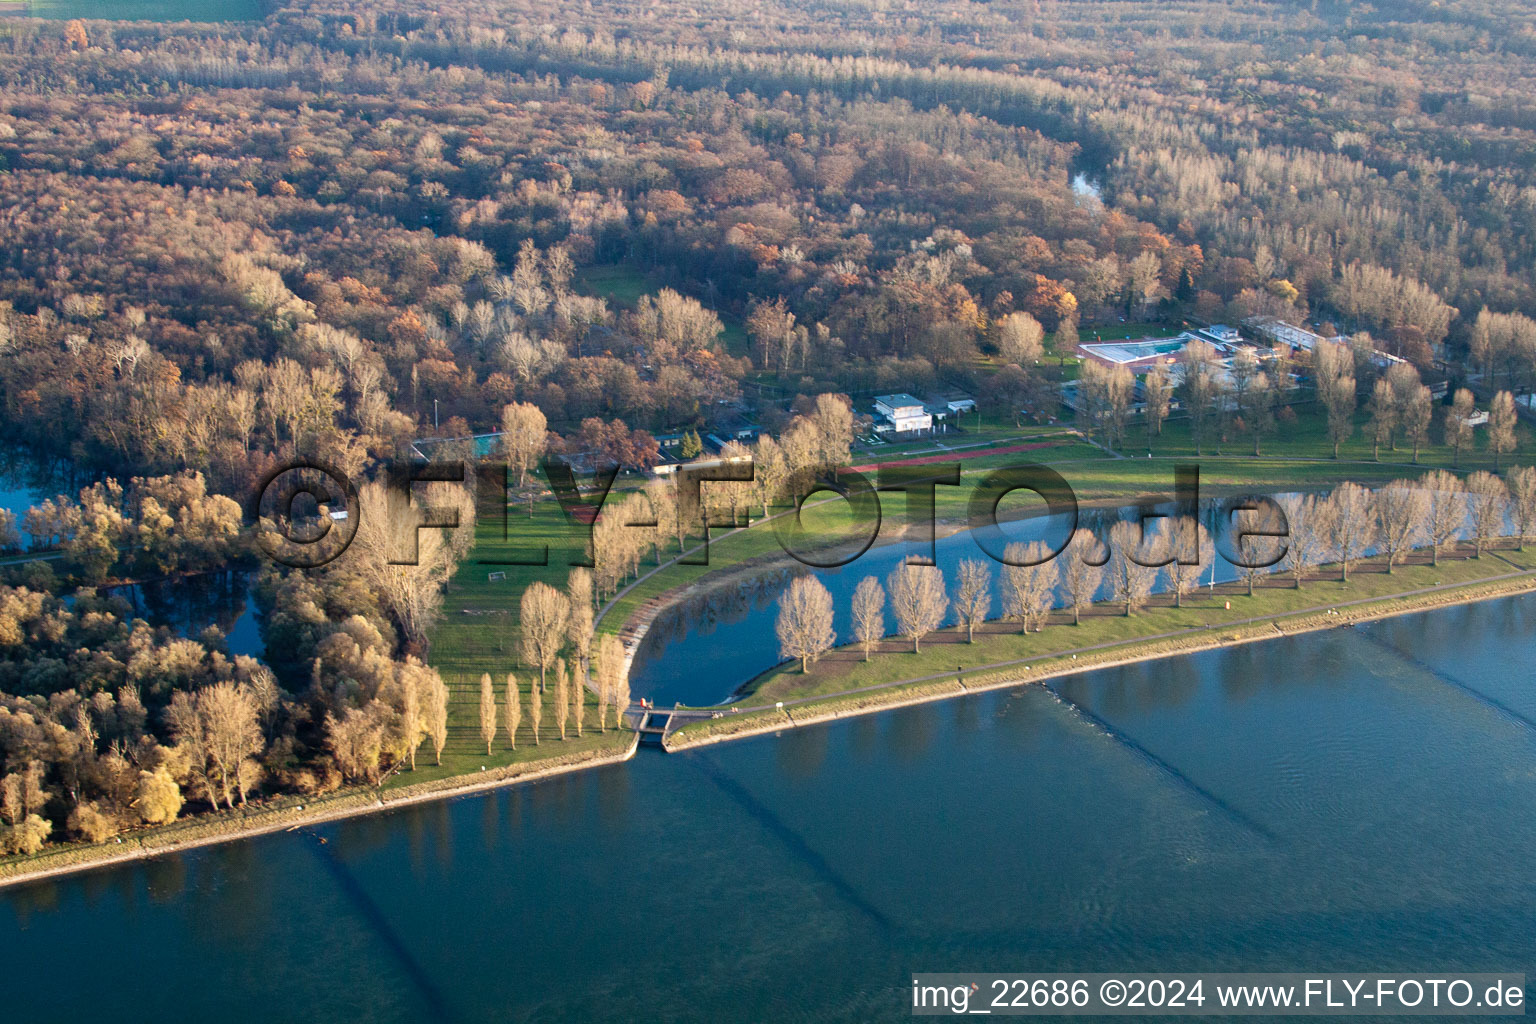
(345, 227)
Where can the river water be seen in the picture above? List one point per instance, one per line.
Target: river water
(1357, 800)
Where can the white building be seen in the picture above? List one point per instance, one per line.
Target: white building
(903, 414)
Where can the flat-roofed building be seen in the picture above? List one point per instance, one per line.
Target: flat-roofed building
(903, 414)
(1137, 356)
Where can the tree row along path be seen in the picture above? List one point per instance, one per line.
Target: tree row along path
(683, 716)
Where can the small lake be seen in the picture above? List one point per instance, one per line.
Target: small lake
(1360, 799)
(190, 604)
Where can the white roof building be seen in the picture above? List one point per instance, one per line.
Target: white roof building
(903, 414)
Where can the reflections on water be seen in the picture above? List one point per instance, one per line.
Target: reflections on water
(804, 877)
(190, 604)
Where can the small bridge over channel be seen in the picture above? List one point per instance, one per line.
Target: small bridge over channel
(655, 724)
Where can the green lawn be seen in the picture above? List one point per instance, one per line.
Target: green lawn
(149, 10)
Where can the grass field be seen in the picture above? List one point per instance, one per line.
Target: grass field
(149, 10)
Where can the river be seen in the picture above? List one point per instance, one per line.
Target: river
(1359, 799)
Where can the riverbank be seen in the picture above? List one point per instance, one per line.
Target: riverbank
(246, 823)
(1162, 634)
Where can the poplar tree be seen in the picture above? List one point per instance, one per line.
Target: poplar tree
(513, 710)
(487, 710)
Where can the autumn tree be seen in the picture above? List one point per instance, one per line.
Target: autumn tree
(512, 710)
(535, 711)
(487, 711)
(1018, 337)
(562, 696)
(543, 616)
(524, 433)
(435, 713)
(580, 625)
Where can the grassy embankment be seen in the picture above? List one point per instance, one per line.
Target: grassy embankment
(843, 683)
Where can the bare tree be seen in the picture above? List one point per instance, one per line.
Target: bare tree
(869, 614)
(1383, 409)
(973, 597)
(805, 621)
(1351, 524)
(524, 433)
(1132, 582)
(1415, 412)
(1258, 544)
(1447, 510)
(1305, 541)
(412, 591)
(1334, 368)
(487, 711)
(220, 730)
(1029, 583)
(1180, 538)
(1487, 501)
(543, 615)
(1158, 388)
(918, 601)
(512, 710)
(1522, 493)
(1458, 424)
(1501, 425)
(1082, 571)
(562, 696)
(1402, 517)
